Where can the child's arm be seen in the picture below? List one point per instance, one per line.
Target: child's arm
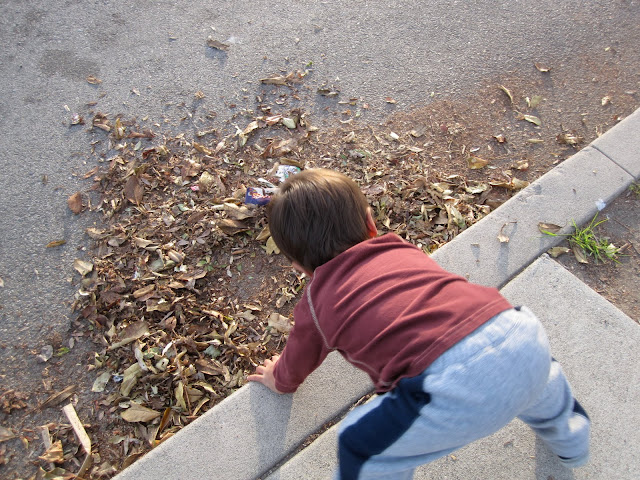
(264, 374)
(304, 352)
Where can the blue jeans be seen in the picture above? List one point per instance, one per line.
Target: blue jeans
(501, 371)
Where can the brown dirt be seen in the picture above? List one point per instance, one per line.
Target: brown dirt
(582, 101)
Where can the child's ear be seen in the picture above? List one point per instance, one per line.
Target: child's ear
(371, 224)
(301, 269)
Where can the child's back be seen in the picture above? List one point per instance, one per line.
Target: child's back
(389, 308)
(455, 360)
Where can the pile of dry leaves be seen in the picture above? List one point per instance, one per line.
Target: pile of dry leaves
(184, 290)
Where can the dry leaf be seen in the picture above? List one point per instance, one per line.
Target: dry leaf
(138, 413)
(271, 247)
(522, 165)
(75, 203)
(476, 188)
(167, 415)
(517, 184)
(542, 68)
(135, 330)
(231, 226)
(534, 101)
(555, 252)
(213, 43)
(59, 397)
(580, 255)
(501, 236)
(328, 91)
(93, 80)
(130, 378)
(119, 130)
(6, 434)
(418, 132)
(77, 119)
(141, 292)
(529, 118)
(202, 149)
(187, 277)
(208, 367)
(95, 233)
(549, 228)
(264, 234)
(134, 190)
(55, 243)
(290, 123)
(569, 139)
(279, 147)
(82, 266)
(513, 184)
(238, 213)
(507, 92)
(178, 393)
(132, 332)
(54, 453)
(476, 163)
(100, 383)
(207, 181)
(45, 353)
(280, 323)
(274, 80)
(101, 121)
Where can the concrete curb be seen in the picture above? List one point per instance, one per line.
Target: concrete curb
(570, 192)
(622, 144)
(253, 430)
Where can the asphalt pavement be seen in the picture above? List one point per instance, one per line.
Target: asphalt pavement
(252, 433)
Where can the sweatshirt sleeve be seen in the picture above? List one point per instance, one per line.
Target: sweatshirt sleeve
(303, 353)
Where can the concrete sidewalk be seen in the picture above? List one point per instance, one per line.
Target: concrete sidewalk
(253, 431)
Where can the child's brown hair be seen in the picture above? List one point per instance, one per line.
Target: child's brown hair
(317, 215)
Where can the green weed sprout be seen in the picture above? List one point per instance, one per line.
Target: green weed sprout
(587, 240)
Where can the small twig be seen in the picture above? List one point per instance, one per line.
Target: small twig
(82, 436)
(620, 223)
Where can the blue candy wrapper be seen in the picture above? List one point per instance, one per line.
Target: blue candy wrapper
(257, 196)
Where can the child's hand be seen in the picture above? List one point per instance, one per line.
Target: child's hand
(264, 374)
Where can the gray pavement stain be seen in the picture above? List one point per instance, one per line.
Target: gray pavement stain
(67, 64)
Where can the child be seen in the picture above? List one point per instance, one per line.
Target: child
(452, 361)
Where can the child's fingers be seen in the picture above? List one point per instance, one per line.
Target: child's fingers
(271, 360)
(255, 378)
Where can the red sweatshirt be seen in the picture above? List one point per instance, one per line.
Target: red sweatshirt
(388, 308)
